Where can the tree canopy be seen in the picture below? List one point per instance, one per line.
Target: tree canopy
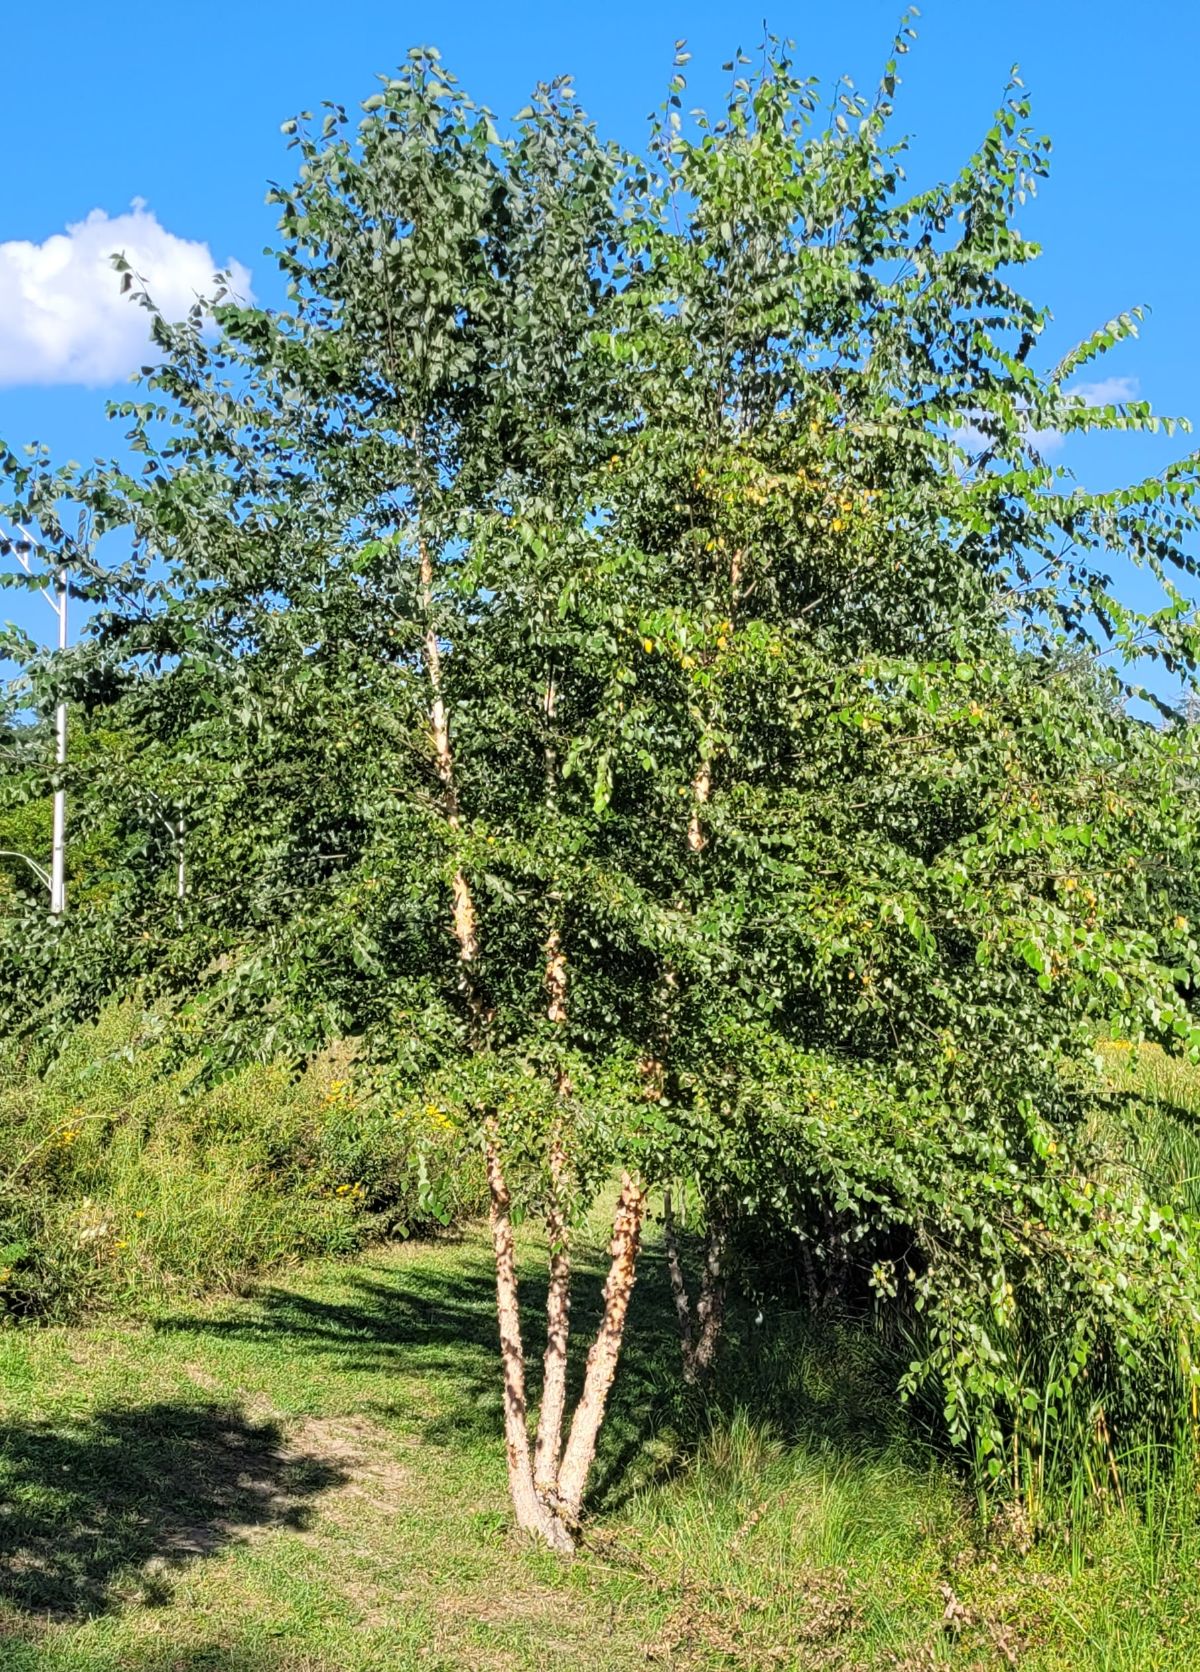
(617, 644)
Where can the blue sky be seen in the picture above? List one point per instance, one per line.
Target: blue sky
(177, 111)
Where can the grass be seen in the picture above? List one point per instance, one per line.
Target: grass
(122, 1181)
(312, 1478)
(1165, 1143)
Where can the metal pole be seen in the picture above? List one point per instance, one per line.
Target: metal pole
(58, 603)
(58, 852)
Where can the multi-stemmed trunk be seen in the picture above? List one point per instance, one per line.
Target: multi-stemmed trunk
(548, 1494)
(547, 1482)
(532, 1512)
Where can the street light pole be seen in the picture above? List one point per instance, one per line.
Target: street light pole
(58, 850)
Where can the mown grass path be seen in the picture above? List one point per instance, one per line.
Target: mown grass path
(312, 1478)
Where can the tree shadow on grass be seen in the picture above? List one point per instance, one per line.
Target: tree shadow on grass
(31, 1656)
(438, 1328)
(818, 1386)
(98, 1511)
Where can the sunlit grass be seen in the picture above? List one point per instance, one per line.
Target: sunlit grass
(312, 1478)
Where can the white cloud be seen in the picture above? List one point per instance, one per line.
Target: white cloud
(63, 318)
(1110, 391)
(1047, 441)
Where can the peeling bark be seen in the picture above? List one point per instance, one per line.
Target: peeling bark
(556, 977)
(700, 1336)
(679, 1294)
(701, 790)
(710, 1308)
(735, 577)
(532, 1514)
(466, 922)
(548, 1447)
(605, 1349)
(556, 958)
(702, 782)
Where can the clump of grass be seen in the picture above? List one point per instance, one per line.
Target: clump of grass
(123, 1183)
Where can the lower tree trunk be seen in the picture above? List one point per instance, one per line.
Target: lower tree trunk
(605, 1350)
(679, 1294)
(532, 1514)
(698, 1340)
(551, 1504)
(710, 1308)
(558, 1326)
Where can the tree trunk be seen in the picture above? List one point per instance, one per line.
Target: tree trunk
(701, 790)
(558, 1327)
(532, 1514)
(548, 1500)
(710, 1308)
(679, 1294)
(810, 1277)
(698, 1339)
(466, 924)
(702, 782)
(548, 1448)
(605, 1350)
(839, 1258)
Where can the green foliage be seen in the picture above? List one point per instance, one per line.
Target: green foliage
(701, 495)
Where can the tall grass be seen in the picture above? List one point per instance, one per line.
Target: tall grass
(1162, 1141)
(119, 1183)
